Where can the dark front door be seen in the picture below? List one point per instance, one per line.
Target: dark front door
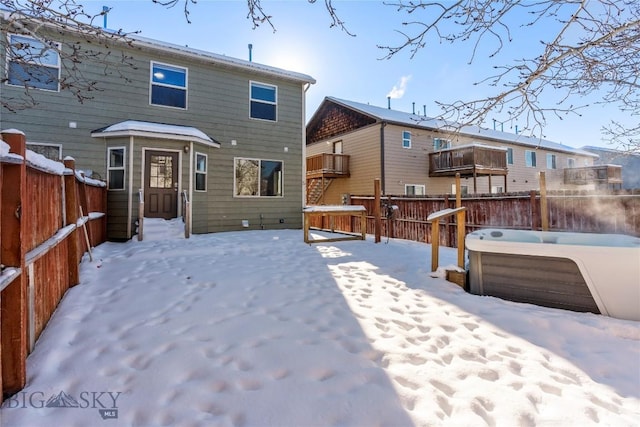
(160, 184)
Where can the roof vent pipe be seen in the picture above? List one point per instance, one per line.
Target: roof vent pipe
(389, 102)
(250, 55)
(105, 11)
(425, 109)
(414, 107)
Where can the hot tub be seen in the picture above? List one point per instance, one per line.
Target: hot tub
(598, 273)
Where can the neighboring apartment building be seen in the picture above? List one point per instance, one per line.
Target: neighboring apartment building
(225, 133)
(350, 144)
(629, 160)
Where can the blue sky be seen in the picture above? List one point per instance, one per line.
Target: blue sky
(350, 67)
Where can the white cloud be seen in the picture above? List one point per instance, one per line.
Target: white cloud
(398, 90)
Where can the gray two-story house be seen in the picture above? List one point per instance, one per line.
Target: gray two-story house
(169, 124)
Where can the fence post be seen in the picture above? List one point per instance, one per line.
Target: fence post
(13, 317)
(71, 210)
(544, 210)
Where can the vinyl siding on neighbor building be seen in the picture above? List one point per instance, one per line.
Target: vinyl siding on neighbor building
(218, 104)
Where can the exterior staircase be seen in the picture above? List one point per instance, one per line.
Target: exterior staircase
(315, 189)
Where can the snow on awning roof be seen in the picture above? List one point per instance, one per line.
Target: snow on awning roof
(155, 130)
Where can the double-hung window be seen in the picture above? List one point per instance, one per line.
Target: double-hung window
(509, 156)
(414, 190)
(264, 101)
(258, 178)
(406, 139)
(168, 85)
(551, 161)
(201, 172)
(571, 162)
(441, 144)
(115, 168)
(530, 158)
(32, 63)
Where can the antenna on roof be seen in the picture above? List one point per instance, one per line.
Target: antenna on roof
(250, 55)
(105, 11)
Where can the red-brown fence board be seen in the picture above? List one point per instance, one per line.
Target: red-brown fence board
(36, 239)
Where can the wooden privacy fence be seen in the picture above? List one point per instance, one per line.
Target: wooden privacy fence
(49, 217)
(589, 212)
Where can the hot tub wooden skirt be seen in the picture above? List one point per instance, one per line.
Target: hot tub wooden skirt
(545, 281)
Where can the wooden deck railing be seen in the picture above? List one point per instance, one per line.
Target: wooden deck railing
(601, 174)
(468, 160)
(328, 164)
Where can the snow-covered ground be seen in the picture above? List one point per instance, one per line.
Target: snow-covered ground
(256, 328)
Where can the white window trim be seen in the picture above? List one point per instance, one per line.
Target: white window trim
(251, 82)
(422, 186)
(510, 150)
(464, 189)
(494, 189)
(406, 139)
(8, 60)
(448, 144)
(122, 168)
(552, 158)
(196, 171)
(45, 144)
(525, 159)
(185, 88)
(257, 196)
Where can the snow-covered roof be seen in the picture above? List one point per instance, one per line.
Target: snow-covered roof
(424, 122)
(221, 59)
(155, 130)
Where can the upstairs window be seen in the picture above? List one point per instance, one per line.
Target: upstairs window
(551, 161)
(264, 101)
(530, 159)
(441, 144)
(406, 139)
(509, 156)
(115, 168)
(168, 85)
(571, 162)
(32, 63)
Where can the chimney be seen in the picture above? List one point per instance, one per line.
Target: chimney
(389, 102)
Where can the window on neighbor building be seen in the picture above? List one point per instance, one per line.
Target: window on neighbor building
(571, 162)
(168, 85)
(509, 156)
(551, 161)
(115, 168)
(32, 63)
(264, 101)
(201, 172)
(530, 158)
(258, 178)
(464, 189)
(441, 143)
(50, 151)
(414, 190)
(406, 139)
(497, 189)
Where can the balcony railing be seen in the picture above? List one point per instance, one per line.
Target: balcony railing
(468, 160)
(328, 165)
(601, 174)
